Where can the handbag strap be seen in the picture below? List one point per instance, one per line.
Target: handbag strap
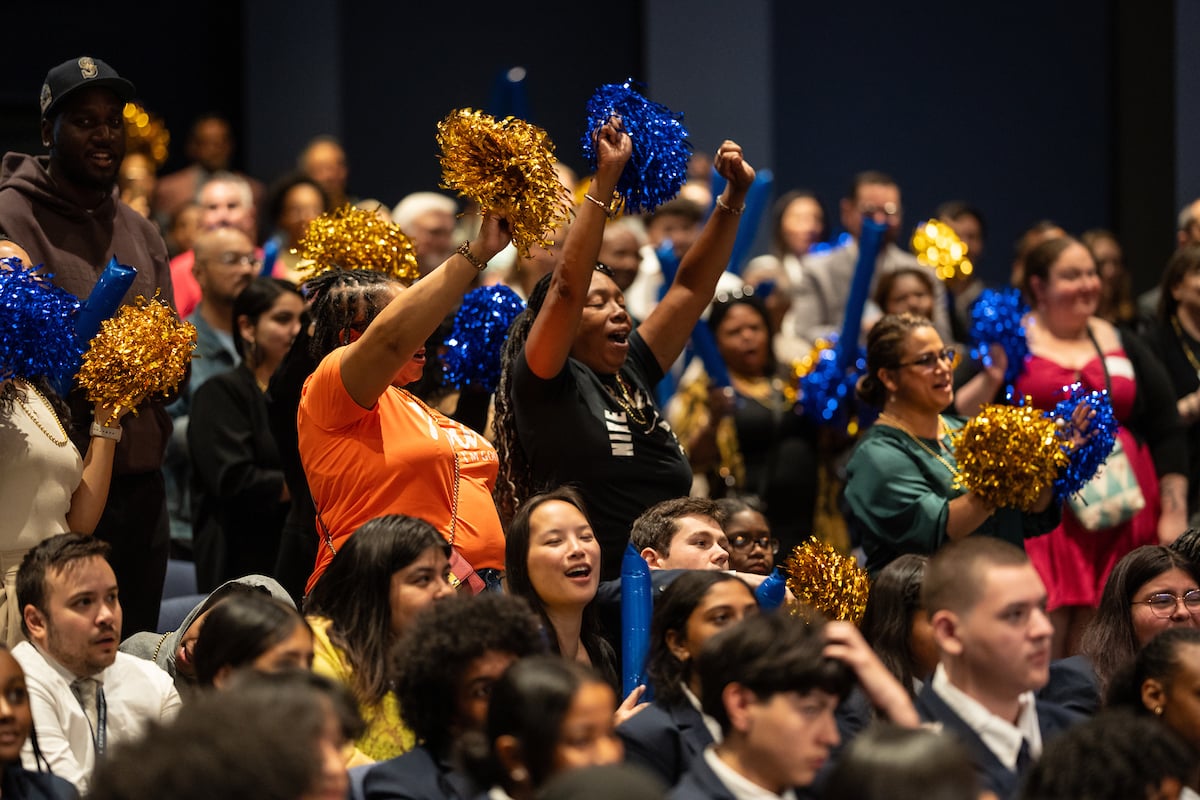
(1103, 360)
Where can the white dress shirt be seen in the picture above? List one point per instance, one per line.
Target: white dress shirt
(1001, 736)
(136, 692)
(738, 785)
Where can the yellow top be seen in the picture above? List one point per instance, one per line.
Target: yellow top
(386, 735)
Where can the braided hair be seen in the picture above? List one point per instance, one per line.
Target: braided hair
(514, 484)
(338, 298)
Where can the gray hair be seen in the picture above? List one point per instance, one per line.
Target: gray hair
(418, 203)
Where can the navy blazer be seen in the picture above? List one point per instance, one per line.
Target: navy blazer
(700, 783)
(1052, 721)
(417, 775)
(665, 739)
(1073, 685)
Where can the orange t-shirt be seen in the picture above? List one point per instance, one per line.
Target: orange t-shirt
(395, 458)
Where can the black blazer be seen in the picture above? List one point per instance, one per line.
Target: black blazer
(700, 783)
(417, 775)
(1052, 721)
(665, 739)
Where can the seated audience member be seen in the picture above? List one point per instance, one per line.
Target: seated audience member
(294, 202)
(906, 290)
(1116, 756)
(1151, 589)
(17, 720)
(266, 738)
(890, 763)
(72, 621)
(446, 665)
(896, 625)
(987, 604)
(672, 731)
(552, 560)
(427, 218)
(384, 574)
(546, 716)
(253, 631)
(772, 689)
(1164, 681)
(752, 548)
(174, 651)
(241, 497)
(684, 533)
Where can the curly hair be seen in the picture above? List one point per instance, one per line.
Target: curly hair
(433, 656)
(343, 302)
(885, 346)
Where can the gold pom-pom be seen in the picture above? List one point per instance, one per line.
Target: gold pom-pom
(146, 132)
(823, 579)
(506, 166)
(937, 246)
(140, 352)
(1009, 454)
(354, 238)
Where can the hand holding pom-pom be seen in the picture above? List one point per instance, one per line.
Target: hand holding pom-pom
(613, 148)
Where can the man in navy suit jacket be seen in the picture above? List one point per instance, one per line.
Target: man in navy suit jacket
(987, 607)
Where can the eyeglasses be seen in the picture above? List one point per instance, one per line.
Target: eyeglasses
(239, 259)
(931, 360)
(1164, 604)
(741, 541)
(887, 209)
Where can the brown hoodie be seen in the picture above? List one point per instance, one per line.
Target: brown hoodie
(76, 244)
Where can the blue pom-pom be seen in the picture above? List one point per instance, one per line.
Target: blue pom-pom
(658, 166)
(37, 323)
(826, 390)
(477, 338)
(1101, 436)
(996, 319)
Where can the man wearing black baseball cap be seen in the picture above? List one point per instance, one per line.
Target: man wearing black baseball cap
(64, 210)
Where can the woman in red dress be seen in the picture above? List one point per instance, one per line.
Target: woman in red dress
(1069, 344)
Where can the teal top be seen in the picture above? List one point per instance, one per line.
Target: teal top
(898, 496)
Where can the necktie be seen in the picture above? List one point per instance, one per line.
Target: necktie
(1024, 759)
(90, 695)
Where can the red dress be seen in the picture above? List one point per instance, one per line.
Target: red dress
(1074, 562)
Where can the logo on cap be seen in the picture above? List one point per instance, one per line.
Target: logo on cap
(87, 67)
(46, 97)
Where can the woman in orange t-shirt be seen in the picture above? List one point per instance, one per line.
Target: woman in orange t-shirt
(371, 448)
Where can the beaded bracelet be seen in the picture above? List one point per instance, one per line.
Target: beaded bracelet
(737, 212)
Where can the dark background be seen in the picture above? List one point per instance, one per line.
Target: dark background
(1079, 111)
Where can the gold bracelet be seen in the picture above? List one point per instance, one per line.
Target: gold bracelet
(464, 250)
(737, 212)
(607, 209)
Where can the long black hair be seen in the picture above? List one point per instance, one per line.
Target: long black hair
(354, 593)
(887, 622)
(254, 301)
(516, 573)
(241, 628)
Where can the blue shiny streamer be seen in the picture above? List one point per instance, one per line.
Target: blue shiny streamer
(472, 356)
(996, 318)
(772, 591)
(637, 606)
(757, 198)
(658, 166)
(827, 388)
(705, 345)
(37, 324)
(270, 255)
(1088, 458)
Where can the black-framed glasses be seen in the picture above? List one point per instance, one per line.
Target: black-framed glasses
(1163, 604)
(930, 360)
(741, 541)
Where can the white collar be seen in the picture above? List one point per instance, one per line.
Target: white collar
(714, 727)
(741, 787)
(1002, 737)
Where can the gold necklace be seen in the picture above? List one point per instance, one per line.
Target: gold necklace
(1187, 349)
(895, 422)
(625, 401)
(37, 422)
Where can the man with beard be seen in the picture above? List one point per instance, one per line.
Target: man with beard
(65, 211)
(85, 696)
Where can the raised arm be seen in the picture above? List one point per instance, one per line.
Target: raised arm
(668, 327)
(91, 495)
(553, 332)
(370, 364)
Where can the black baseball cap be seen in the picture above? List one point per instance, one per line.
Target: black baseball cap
(80, 73)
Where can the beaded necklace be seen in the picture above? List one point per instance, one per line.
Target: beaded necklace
(625, 401)
(895, 422)
(57, 442)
